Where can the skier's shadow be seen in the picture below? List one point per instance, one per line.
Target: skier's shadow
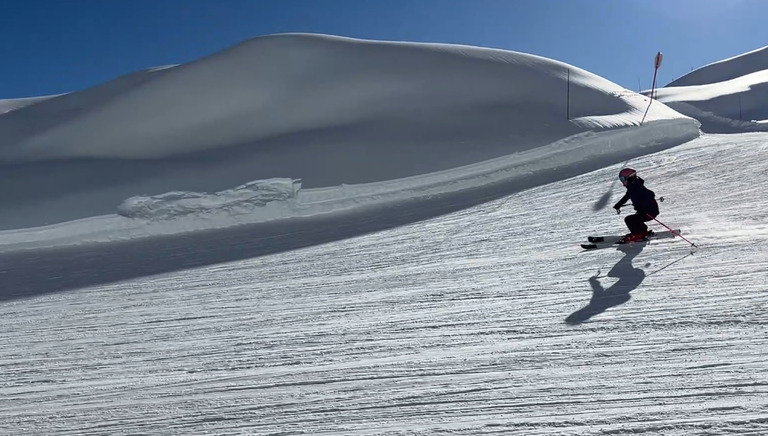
(618, 293)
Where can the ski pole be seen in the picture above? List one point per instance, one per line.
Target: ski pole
(675, 233)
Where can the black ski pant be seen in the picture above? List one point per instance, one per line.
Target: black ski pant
(636, 222)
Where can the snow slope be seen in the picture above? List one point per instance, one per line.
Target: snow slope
(386, 242)
(726, 69)
(279, 85)
(484, 321)
(275, 199)
(726, 96)
(328, 111)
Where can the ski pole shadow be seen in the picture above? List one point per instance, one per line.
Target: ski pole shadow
(602, 202)
(618, 293)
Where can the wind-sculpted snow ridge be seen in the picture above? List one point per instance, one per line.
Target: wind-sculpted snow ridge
(282, 84)
(729, 96)
(244, 199)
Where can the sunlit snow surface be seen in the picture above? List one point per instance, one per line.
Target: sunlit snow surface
(728, 96)
(453, 325)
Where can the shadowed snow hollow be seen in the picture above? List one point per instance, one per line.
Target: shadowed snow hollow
(327, 110)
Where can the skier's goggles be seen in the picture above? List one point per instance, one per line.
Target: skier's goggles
(623, 179)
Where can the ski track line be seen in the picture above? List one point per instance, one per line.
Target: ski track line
(455, 325)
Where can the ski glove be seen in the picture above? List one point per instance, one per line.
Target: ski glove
(618, 209)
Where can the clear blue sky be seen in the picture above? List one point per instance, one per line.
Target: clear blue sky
(57, 46)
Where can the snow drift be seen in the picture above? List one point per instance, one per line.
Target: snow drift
(244, 199)
(726, 96)
(280, 85)
(340, 114)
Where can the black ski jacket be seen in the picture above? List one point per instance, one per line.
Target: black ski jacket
(643, 199)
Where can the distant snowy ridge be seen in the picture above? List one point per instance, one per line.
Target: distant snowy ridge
(726, 69)
(726, 97)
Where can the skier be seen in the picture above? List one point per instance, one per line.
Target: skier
(644, 201)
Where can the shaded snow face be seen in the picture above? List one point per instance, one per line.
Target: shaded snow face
(277, 199)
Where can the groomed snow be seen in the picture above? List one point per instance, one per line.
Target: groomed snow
(484, 321)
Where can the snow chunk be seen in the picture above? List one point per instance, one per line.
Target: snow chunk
(244, 199)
